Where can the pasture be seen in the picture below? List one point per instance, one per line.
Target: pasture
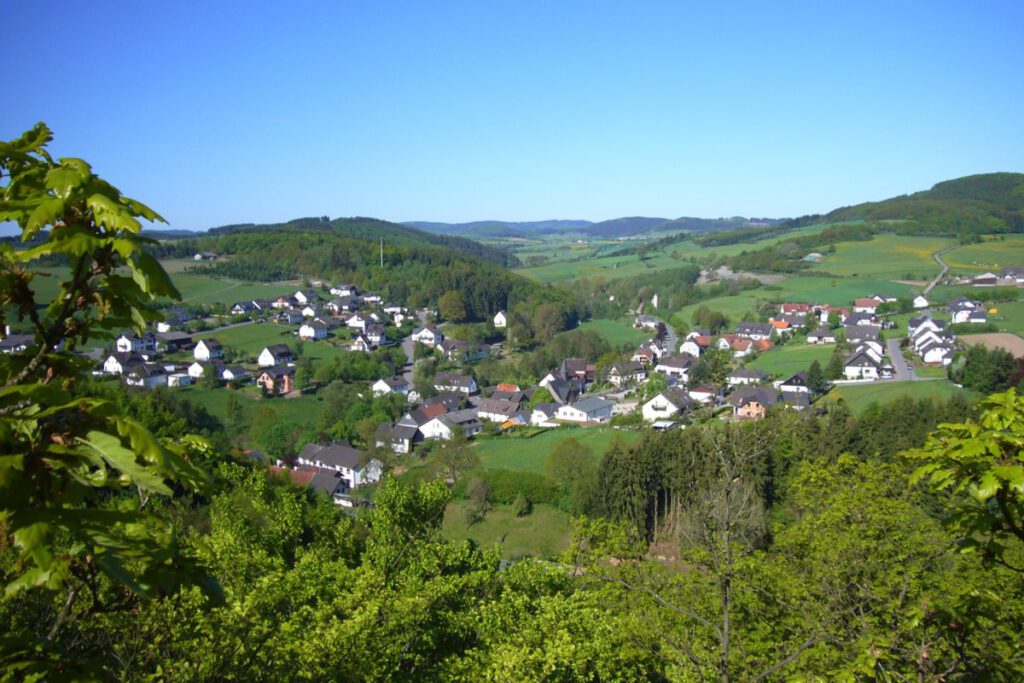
(617, 332)
(530, 454)
(301, 411)
(543, 533)
(859, 396)
(251, 338)
(784, 361)
(886, 257)
(993, 254)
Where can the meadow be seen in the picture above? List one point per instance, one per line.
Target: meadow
(993, 254)
(253, 337)
(543, 533)
(517, 453)
(784, 361)
(859, 396)
(300, 411)
(886, 256)
(617, 332)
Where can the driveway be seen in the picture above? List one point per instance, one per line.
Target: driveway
(901, 371)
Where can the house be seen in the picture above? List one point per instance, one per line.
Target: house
(501, 319)
(277, 380)
(865, 305)
(399, 438)
(234, 373)
(752, 402)
(794, 308)
(591, 409)
(119, 363)
(446, 381)
(345, 290)
(862, 319)
(822, 335)
(179, 379)
(290, 316)
(499, 409)
(313, 330)
(742, 376)
(1013, 273)
(428, 335)
(275, 354)
(390, 385)
(696, 345)
(861, 366)
(331, 483)
(173, 341)
(342, 458)
(204, 256)
(916, 324)
(577, 368)
(444, 426)
(282, 302)
(703, 394)
(937, 353)
(422, 415)
(243, 308)
(310, 311)
(544, 415)
(146, 375)
(754, 331)
(208, 349)
(668, 403)
(360, 343)
(306, 296)
(920, 302)
(826, 311)
(623, 374)
(357, 322)
(985, 280)
(675, 366)
(646, 321)
(795, 384)
(130, 342)
(345, 304)
(376, 335)
(563, 390)
(198, 369)
(857, 334)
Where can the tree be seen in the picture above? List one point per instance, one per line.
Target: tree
(455, 456)
(816, 381)
(835, 367)
(979, 466)
(479, 494)
(548, 320)
(451, 306)
(66, 458)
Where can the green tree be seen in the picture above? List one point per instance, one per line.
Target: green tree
(65, 460)
(451, 306)
(816, 381)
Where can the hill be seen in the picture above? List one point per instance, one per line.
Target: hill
(501, 228)
(373, 229)
(977, 204)
(616, 227)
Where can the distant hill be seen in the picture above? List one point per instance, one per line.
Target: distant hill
(617, 227)
(373, 229)
(985, 203)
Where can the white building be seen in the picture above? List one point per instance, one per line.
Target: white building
(501, 319)
(592, 409)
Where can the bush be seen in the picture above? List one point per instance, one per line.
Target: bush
(522, 505)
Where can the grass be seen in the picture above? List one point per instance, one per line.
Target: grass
(543, 533)
(994, 254)
(835, 291)
(617, 332)
(860, 396)
(783, 361)
(301, 411)
(735, 307)
(886, 257)
(252, 338)
(511, 453)
(1009, 317)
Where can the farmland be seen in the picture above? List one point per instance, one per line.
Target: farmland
(885, 257)
(997, 340)
(990, 255)
(616, 332)
(252, 338)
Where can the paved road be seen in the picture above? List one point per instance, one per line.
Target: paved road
(409, 346)
(942, 264)
(901, 371)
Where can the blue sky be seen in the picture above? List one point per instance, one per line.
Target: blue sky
(217, 113)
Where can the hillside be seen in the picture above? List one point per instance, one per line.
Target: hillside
(616, 227)
(501, 228)
(373, 229)
(985, 203)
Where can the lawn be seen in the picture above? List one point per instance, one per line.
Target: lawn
(860, 396)
(543, 533)
(617, 332)
(835, 291)
(783, 361)
(301, 411)
(513, 453)
(252, 338)
(994, 255)
(735, 308)
(1009, 316)
(203, 289)
(886, 257)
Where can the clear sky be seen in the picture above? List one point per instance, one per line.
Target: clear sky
(228, 112)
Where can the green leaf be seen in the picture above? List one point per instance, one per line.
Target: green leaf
(46, 213)
(70, 174)
(126, 461)
(987, 486)
(110, 214)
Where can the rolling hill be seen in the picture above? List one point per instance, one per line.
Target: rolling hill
(616, 227)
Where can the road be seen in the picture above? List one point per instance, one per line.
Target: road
(409, 347)
(942, 264)
(901, 371)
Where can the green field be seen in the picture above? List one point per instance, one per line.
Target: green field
(885, 256)
(253, 337)
(203, 289)
(835, 291)
(512, 453)
(1009, 317)
(994, 255)
(301, 411)
(617, 332)
(543, 533)
(735, 307)
(860, 396)
(783, 361)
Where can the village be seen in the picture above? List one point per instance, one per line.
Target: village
(663, 383)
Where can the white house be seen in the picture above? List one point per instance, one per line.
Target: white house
(390, 385)
(345, 290)
(446, 381)
(399, 438)
(591, 409)
(129, 343)
(501, 319)
(741, 376)
(937, 353)
(822, 335)
(305, 296)
(861, 366)
(208, 349)
(622, 374)
(544, 415)
(343, 459)
(357, 322)
(920, 301)
(313, 330)
(275, 354)
(233, 373)
(444, 426)
(179, 379)
(667, 404)
(118, 363)
(146, 375)
(675, 366)
(428, 335)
